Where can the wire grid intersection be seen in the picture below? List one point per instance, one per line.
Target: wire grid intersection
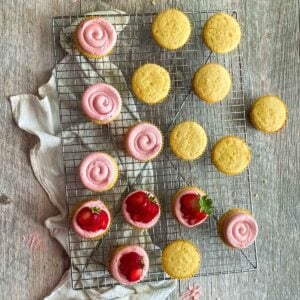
(135, 47)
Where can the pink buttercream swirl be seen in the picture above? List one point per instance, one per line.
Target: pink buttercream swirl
(144, 141)
(96, 36)
(101, 102)
(240, 230)
(97, 171)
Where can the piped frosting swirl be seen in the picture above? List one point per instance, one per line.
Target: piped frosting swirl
(96, 36)
(101, 102)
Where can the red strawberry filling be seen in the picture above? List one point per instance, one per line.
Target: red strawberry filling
(92, 219)
(195, 208)
(131, 266)
(142, 207)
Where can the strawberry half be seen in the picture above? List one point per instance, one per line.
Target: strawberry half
(131, 266)
(195, 208)
(92, 219)
(142, 206)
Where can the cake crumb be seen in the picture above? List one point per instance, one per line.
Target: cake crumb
(153, 2)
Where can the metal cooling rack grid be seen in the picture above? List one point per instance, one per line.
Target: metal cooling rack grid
(134, 48)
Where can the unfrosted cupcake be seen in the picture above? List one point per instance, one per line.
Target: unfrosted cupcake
(129, 264)
(221, 33)
(98, 172)
(171, 29)
(237, 228)
(188, 140)
(101, 103)
(268, 114)
(143, 141)
(181, 259)
(91, 219)
(141, 209)
(191, 206)
(151, 83)
(95, 37)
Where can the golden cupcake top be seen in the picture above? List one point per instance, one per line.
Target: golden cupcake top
(181, 259)
(188, 140)
(151, 83)
(221, 33)
(268, 114)
(171, 29)
(231, 155)
(212, 83)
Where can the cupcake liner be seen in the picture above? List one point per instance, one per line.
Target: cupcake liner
(214, 162)
(192, 273)
(82, 51)
(223, 218)
(185, 159)
(126, 136)
(188, 39)
(77, 206)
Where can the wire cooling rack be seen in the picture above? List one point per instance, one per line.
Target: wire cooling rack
(89, 259)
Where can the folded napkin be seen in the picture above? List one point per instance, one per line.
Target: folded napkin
(40, 116)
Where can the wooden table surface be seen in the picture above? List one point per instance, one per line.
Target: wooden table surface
(271, 62)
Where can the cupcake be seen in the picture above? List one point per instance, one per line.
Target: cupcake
(181, 259)
(129, 264)
(171, 29)
(91, 219)
(188, 140)
(151, 83)
(143, 141)
(191, 206)
(221, 33)
(98, 172)
(231, 155)
(95, 37)
(141, 209)
(237, 228)
(211, 83)
(101, 103)
(268, 114)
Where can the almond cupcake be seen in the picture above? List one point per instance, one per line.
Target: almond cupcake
(141, 209)
(91, 219)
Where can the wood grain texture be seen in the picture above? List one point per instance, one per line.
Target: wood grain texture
(271, 63)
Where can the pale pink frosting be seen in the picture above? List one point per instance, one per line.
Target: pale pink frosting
(96, 36)
(240, 230)
(90, 234)
(97, 171)
(144, 141)
(115, 262)
(177, 206)
(101, 102)
(135, 223)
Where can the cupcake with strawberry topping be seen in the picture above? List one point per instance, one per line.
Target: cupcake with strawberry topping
(191, 206)
(129, 264)
(91, 219)
(141, 209)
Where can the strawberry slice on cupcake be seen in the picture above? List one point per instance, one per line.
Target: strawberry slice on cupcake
(141, 209)
(191, 206)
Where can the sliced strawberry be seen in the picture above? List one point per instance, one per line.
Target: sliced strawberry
(131, 266)
(135, 274)
(142, 207)
(195, 208)
(92, 219)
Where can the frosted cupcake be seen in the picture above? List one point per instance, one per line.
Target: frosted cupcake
(101, 103)
(143, 141)
(95, 37)
(141, 209)
(91, 219)
(129, 264)
(237, 228)
(98, 172)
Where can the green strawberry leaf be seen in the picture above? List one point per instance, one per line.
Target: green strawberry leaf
(205, 205)
(95, 210)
